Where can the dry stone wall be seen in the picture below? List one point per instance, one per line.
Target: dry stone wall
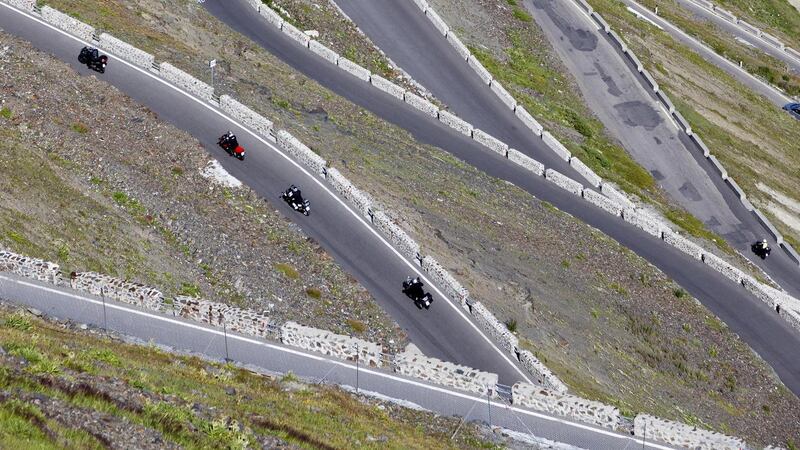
(585, 171)
(723, 267)
(186, 82)
(354, 69)
(407, 246)
(37, 269)
(563, 182)
(126, 51)
(414, 364)
(496, 329)
(452, 288)
(271, 16)
(296, 34)
(455, 122)
(323, 51)
(556, 146)
(26, 5)
(526, 162)
(602, 202)
(244, 321)
(486, 139)
(527, 119)
(117, 289)
(459, 46)
(302, 153)
(503, 94)
(68, 24)
(681, 243)
(245, 115)
(544, 377)
(421, 104)
(565, 405)
(387, 86)
(479, 69)
(331, 344)
(360, 199)
(682, 435)
(612, 193)
(437, 21)
(643, 221)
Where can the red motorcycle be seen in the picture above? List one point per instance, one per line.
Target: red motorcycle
(229, 143)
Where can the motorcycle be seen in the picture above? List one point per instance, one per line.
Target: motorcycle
(761, 249)
(229, 143)
(92, 58)
(412, 287)
(294, 198)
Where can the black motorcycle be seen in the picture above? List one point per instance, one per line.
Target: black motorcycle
(412, 287)
(230, 144)
(761, 249)
(294, 198)
(93, 59)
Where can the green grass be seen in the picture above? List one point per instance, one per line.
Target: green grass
(79, 128)
(357, 326)
(314, 293)
(522, 15)
(287, 270)
(189, 289)
(5, 113)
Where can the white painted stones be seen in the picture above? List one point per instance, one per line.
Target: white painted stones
(387, 86)
(126, 51)
(565, 405)
(37, 269)
(246, 116)
(68, 24)
(415, 364)
(526, 162)
(455, 122)
(563, 181)
(682, 435)
(487, 140)
(186, 82)
(332, 344)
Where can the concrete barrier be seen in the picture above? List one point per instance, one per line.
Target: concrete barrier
(301, 152)
(704, 3)
(793, 255)
(459, 46)
(563, 181)
(556, 146)
(186, 82)
(331, 344)
(503, 94)
(25, 5)
(422, 5)
(256, 4)
(296, 34)
(421, 104)
(451, 287)
(772, 40)
(479, 69)
(600, 21)
(565, 405)
(718, 167)
(749, 28)
(68, 24)
(414, 364)
(452, 121)
(126, 51)
(543, 375)
(681, 243)
(701, 145)
(585, 171)
(768, 225)
(684, 124)
(635, 60)
(271, 16)
(525, 161)
(496, 329)
(650, 80)
(612, 193)
(745, 202)
(585, 6)
(527, 119)
(617, 39)
(246, 116)
(487, 140)
(665, 100)
(682, 435)
(244, 321)
(117, 289)
(792, 52)
(602, 202)
(323, 51)
(387, 86)
(396, 235)
(723, 267)
(437, 21)
(36, 269)
(736, 189)
(725, 14)
(643, 221)
(358, 198)
(353, 69)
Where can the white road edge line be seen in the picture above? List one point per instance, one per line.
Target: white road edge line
(316, 180)
(115, 305)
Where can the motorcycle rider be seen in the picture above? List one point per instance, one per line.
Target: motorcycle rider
(294, 196)
(763, 247)
(231, 145)
(414, 287)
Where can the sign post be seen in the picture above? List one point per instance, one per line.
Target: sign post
(211, 65)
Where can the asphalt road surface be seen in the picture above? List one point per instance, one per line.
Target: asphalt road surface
(265, 356)
(444, 331)
(752, 320)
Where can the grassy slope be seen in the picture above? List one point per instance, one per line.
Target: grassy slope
(171, 386)
(754, 139)
(576, 296)
(776, 17)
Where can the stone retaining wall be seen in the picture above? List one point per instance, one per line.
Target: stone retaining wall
(331, 344)
(186, 82)
(556, 146)
(323, 51)
(479, 69)
(503, 94)
(437, 21)
(25, 5)
(305, 155)
(422, 104)
(296, 34)
(543, 375)
(244, 321)
(353, 69)
(681, 243)
(526, 162)
(360, 199)
(245, 115)
(585, 171)
(527, 119)
(643, 221)
(612, 193)
(405, 245)
(563, 181)
(682, 435)
(723, 267)
(451, 287)
(387, 86)
(565, 405)
(117, 289)
(126, 51)
(37, 269)
(414, 364)
(68, 24)
(455, 122)
(486, 139)
(459, 46)
(496, 329)
(602, 202)
(271, 16)
(422, 5)
(772, 40)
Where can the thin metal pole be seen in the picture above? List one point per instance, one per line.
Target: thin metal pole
(212, 78)
(357, 358)
(105, 317)
(225, 335)
(489, 404)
